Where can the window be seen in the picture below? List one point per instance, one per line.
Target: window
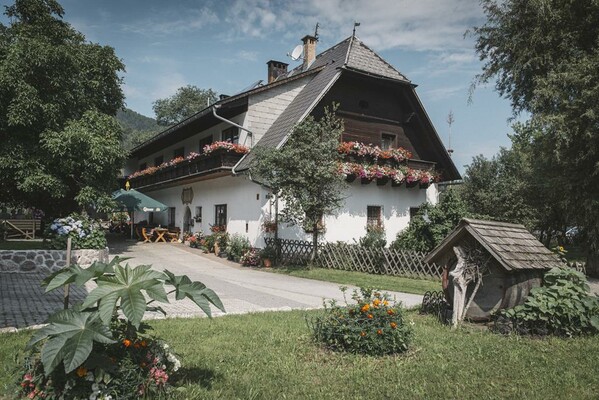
(143, 166)
(374, 217)
(171, 216)
(414, 211)
(198, 216)
(180, 152)
(204, 142)
(158, 160)
(231, 135)
(220, 215)
(387, 141)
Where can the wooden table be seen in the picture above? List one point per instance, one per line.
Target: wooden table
(160, 232)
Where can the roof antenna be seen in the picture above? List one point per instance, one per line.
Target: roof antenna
(316, 31)
(356, 24)
(450, 121)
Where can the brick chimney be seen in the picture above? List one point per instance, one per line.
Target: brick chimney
(276, 69)
(309, 50)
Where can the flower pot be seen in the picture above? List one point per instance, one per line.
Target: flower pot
(382, 181)
(396, 184)
(425, 185)
(411, 184)
(350, 178)
(267, 262)
(365, 181)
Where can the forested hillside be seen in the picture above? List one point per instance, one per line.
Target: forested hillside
(137, 128)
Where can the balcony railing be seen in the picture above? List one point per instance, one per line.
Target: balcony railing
(203, 165)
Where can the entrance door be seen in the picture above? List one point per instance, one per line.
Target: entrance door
(187, 220)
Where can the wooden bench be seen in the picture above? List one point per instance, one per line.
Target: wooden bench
(173, 234)
(21, 228)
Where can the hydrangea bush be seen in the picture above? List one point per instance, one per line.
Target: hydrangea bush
(372, 325)
(84, 233)
(100, 349)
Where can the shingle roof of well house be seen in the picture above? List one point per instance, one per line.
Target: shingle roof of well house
(512, 245)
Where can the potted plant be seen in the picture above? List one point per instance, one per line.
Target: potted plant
(268, 254)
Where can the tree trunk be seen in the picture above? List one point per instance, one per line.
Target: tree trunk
(592, 266)
(314, 243)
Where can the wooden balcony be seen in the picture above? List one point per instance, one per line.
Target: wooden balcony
(218, 163)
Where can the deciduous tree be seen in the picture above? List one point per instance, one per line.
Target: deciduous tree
(304, 172)
(544, 58)
(56, 91)
(187, 101)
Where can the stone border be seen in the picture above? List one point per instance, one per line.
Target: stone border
(46, 261)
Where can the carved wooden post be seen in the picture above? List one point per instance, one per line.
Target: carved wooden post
(460, 285)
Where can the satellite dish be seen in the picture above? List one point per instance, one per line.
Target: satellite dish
(296, 54)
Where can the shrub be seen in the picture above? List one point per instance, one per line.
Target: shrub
(373, 325)
(195, 239)
(89, 352)
(84, 233)
(209, 241)
(562, 306)
(251, 258)
(432, 223)
(374, 238)
(237, 246)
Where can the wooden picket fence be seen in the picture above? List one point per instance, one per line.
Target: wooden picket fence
(352, 257)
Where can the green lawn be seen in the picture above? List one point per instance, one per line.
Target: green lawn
(383, 282)
(270, 355)
(22, 245)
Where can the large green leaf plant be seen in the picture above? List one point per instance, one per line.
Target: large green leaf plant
(121, 290)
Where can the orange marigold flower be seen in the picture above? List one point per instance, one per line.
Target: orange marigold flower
(362, 333)
(393, 325)
(143, 343)
(370, 316)
(379, 332)
(126, 342)
(385, 303)
(376, 302)
(390, 311)
(365, 307)
(81, 371)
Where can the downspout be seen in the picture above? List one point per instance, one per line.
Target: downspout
(250, 133)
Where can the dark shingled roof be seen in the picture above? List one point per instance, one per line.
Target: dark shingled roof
(350, 53)
(511, 245)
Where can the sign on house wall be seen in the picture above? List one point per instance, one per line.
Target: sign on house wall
(187, 195)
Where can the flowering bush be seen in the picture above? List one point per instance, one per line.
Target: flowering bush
(136, 365)
(372, 325)
(237, 247)
(228, 146)
(89, 352)
(84, 233)
(195, 239)
(251, 258)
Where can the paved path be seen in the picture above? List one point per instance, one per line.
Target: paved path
(242, 290)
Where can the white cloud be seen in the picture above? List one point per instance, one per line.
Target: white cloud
(170, 22)
(412, 25)
(445, 92)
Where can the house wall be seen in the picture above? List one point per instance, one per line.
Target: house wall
(249, 204)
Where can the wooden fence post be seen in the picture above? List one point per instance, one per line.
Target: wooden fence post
(67, 286)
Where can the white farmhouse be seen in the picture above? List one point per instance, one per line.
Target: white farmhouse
(379, 107)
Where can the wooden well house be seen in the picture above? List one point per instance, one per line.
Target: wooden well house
(515, 262)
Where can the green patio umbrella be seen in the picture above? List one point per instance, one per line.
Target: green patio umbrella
(132, 200)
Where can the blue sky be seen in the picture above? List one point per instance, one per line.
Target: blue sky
(224, 45)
